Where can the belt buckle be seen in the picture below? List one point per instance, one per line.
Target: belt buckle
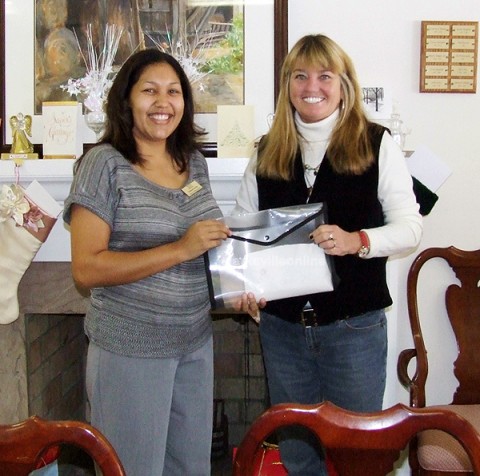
(309, 318)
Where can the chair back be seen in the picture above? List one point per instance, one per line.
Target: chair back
(357, 443)
(463, 307)
(23, 444)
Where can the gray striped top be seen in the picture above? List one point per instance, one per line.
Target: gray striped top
(163, 315)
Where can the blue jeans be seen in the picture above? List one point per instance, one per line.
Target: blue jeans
(343, 362)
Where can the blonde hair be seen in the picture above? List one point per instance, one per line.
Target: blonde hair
(349, 150)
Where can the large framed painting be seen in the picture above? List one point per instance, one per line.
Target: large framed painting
(225, 47)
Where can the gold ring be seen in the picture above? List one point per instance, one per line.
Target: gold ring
(330, 236)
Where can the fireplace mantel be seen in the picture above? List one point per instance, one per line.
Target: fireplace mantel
(56, 176)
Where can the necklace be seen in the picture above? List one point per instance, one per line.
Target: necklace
(309, 168)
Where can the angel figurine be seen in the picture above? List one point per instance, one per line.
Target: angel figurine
(21, 128)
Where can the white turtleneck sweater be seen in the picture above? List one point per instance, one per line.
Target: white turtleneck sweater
(403, 222)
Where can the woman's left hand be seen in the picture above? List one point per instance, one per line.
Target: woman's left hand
(336, 241)
(248, 303)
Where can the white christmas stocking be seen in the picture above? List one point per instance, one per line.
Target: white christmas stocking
(26, 219)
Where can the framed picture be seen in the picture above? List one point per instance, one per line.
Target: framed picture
(263, 21)
(377, 102)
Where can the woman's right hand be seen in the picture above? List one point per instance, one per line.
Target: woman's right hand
(203, 236)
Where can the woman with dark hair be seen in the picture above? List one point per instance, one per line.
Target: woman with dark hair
(119, 133)
(141, 215)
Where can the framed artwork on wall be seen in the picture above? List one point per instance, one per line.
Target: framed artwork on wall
(28, 24)
(377, 102)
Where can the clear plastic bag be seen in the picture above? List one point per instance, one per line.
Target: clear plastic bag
(270, 253)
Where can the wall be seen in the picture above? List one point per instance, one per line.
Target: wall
(383, 39)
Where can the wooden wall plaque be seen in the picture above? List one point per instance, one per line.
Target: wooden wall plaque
(449, 57)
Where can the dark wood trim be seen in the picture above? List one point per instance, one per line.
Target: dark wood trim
(280, 33)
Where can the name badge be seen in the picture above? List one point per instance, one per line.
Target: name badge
(192, 188)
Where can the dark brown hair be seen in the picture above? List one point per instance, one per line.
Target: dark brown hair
(119, 126)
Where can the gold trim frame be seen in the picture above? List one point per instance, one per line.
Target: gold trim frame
(280, 44)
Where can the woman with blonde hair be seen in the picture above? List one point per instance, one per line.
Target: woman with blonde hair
(349, 149)
(322, 148)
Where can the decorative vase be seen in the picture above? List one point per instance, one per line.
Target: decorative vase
(396, 129)
(95, 120)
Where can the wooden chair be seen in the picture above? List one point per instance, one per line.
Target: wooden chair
(23, 444)
(431, 453)
(357, 444)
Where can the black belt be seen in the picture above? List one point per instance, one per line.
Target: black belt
(309, 318)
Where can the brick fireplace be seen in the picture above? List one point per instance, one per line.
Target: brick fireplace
(42, 352)
(55, 347)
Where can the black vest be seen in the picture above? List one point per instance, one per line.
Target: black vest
(352, 204)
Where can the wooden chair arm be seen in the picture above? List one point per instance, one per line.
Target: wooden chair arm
(417, 396)
(402, 367)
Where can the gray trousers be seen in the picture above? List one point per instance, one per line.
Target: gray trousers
(157, 413)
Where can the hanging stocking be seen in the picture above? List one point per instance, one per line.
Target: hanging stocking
(26, 218)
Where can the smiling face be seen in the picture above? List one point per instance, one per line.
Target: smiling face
(315, 93)
(157, 104)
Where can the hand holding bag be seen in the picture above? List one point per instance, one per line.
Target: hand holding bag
(270, 254)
